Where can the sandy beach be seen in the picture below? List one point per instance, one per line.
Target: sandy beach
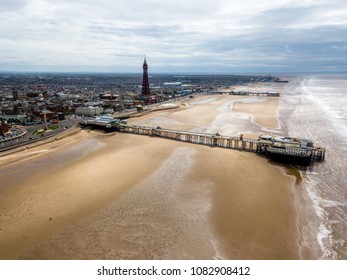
(119, 196)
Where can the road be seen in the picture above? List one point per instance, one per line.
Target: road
(30, 137)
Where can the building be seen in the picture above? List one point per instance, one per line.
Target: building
(176, 85)
(15, 118)
(3, 127)
(145, 83)
(106, 121)
(15, 94)
(61, 116)
(109, 96)
(89, 111)
(146, 95)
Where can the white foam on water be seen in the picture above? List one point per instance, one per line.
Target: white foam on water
(333, 107)
(322, 236)
(330, 203)
(317, 111)
(324, 233)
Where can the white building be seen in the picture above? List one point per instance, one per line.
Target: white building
(89, 111)
(172, 84)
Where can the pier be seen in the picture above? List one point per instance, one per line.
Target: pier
(249, 93)
(318, 154)
(213, 140)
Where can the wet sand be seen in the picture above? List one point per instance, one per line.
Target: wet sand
(263, 113)
(137, 197)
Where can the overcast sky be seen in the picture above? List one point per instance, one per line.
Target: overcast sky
(219, 36)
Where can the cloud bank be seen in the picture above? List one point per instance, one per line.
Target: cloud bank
(219, 36)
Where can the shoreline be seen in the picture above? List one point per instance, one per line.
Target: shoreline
(259, 197)
(42, 147)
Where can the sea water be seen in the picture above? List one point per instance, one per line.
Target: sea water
(315, 107)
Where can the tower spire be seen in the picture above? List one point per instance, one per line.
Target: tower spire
(145, 83)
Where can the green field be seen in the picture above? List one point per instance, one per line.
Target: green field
(42, 131)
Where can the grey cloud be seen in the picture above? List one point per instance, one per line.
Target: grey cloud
(175, 34)
(282, 17)
(12, 5)
(149, 30)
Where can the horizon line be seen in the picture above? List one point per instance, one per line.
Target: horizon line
(175, 73)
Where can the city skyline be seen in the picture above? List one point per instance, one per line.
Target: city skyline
(176, 36)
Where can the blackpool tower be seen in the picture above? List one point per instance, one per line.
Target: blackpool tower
(145, 83)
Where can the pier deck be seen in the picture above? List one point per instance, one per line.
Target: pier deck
(250, 93)
(213, 140)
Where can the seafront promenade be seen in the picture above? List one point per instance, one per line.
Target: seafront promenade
(29, 144)
(27, 136)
